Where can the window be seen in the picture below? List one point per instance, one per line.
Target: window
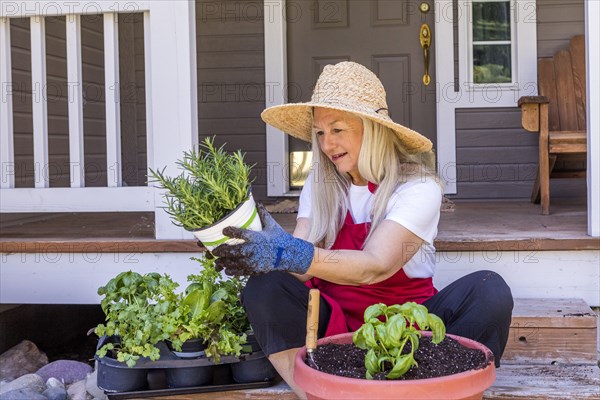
(490, 42)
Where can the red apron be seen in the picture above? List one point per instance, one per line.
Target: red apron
(348, 303)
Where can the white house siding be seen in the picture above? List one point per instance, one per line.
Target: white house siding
(537, 274)
(495, 157)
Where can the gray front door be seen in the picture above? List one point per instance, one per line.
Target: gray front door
(383, 35)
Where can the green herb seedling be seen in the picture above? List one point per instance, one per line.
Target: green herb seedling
(209, 309)
(385, 340)
(135, 306)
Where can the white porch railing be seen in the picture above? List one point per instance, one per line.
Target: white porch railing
(171, 106)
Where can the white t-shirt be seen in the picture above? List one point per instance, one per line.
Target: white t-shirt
(415, 205)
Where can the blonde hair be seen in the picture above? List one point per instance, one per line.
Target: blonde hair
(382, 160)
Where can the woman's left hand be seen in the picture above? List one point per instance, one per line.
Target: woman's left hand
(271, 249)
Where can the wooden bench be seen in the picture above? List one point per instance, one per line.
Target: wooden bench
(559, 116)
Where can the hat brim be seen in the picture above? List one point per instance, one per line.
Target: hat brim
(295, 119)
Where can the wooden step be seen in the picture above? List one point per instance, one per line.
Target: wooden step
(548, 331)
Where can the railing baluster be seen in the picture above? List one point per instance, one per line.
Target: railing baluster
(74, 79)
(38, 102)
(113, 114)
(7, 148)
(148, 84)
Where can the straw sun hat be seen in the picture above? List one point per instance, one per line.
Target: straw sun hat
(346, 86)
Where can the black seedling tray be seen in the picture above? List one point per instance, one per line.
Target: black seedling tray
(155, 374)
(188, 390)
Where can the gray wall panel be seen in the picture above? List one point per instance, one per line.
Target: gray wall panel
(231, 80)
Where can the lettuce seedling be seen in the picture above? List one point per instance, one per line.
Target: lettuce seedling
(386, 332)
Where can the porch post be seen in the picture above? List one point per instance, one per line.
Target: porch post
(275, 94)
(592, 37)
(7, 149)
(170, 43)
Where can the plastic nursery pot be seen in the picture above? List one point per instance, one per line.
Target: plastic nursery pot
(244, 216)
(192, 348)
(465, 385)
(189, 376)
(251, 345)
(253, 370)
(115, 376)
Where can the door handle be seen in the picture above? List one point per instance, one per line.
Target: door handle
(425, 40)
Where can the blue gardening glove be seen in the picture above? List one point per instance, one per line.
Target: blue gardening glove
(273, 249)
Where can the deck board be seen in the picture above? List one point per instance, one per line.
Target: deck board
(470, 226)
(526, 382)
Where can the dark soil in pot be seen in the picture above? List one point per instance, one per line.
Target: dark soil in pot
(446, 358)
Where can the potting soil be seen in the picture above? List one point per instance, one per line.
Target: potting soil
(446, 358)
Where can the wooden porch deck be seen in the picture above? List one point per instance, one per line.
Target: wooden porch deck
(524, 382)
(467, 226)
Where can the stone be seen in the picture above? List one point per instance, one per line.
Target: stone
(22, 394)
(92, 387)
(29, 381)
(55, 393)
(24, 358)
(77, 391)
(66, 371)
(53, 382)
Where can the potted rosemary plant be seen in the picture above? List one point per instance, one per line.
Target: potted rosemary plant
(390, 358)
(211, 193)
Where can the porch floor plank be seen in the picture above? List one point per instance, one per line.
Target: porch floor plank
(526, 382)
(470, 226)
(545, 382)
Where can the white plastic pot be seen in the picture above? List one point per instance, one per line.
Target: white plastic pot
(244, 216)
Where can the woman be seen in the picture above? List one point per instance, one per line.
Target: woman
(366, 223)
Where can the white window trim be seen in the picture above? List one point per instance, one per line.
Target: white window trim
(486, 95)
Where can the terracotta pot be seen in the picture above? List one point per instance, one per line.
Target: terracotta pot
(466, 385)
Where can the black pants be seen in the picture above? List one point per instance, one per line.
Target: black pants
(477, 306)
